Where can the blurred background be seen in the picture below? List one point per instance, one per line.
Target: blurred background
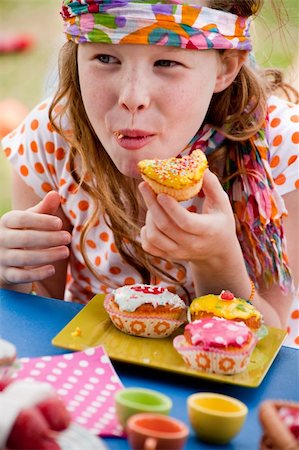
(31, 35)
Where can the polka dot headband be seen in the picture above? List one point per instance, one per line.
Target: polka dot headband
(154, 22)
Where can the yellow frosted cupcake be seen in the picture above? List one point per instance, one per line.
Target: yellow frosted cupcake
(179, 177)
(229, 307)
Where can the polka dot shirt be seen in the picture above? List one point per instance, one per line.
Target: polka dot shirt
(40, 156)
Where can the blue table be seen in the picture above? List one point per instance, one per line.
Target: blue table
(30, 322)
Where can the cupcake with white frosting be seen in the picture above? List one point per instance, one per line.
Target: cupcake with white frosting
(145, 310)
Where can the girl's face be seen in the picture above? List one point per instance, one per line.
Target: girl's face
(145, 101)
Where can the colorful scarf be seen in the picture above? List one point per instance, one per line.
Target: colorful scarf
(257, 206)
(154, 22)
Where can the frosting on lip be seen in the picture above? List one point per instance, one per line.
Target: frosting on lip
(218, 332)
(130, 297)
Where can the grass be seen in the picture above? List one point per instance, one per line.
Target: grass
(27, 76)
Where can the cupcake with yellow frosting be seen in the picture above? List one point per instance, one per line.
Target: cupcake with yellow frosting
(180, 178)
(227, 306)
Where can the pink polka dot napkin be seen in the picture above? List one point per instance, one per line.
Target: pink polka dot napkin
(86, 381)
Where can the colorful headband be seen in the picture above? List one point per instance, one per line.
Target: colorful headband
(154, 22)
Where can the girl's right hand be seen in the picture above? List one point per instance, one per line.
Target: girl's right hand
(31, 241)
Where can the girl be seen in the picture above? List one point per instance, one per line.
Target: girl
(155, 80)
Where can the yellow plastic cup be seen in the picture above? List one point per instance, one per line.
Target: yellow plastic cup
(216, 418)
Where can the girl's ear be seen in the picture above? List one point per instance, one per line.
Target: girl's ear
(230, 62)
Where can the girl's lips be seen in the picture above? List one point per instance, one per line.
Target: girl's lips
(132, 139)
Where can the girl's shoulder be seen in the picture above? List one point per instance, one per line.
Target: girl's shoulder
(283, 138)
(35, 128)
(283, 116)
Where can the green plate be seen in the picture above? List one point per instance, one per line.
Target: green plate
(92, 327)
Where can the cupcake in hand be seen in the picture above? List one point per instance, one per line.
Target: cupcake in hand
(216, 345)
(181, 178)
(145, 310)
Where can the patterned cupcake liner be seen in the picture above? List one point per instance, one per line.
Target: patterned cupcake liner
(153, 327)
(215, 361)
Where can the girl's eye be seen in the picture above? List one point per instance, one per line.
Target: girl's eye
(165, 63)
(107, 59)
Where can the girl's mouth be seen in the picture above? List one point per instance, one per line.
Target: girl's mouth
(133, 139)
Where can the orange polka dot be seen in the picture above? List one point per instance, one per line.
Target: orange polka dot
(62, 182)
(272, 108)
(60, 153)
(129, 280)
(34, 124)
(156, 261)
(275, 122)
(97, 223)
(297, 184)
(50, 147)
(274, 161)
(295, 137)
(104, 289)
(171, 289)
(73, 214)
(78, 247)
(79, 266)
(33, 146)
(83, 205)
(97, 261)
(295, 118)
(181, 274)
(58, 109)
(84, 278)
(91, 243)
(50, 128)
(39, 167)
(21, 149)
(277, 140)
(295, 314)
(104, 236)
(42, 106)
(168, 265)
(79, 228)
(51, 169)
(7, 151)
(292, 159)
(46, 187)
(68, 167)
(24, 171)
(296, 340)
(115, 270)
(281, 179)
(68, 278)
(113, 248)
(72, 188)
(63, 200)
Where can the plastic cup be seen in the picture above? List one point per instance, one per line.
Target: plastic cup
(216, 418)
(136, 400)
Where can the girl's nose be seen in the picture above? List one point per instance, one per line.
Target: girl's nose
(134, 93)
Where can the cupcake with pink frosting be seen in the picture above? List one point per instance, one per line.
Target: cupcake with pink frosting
(216, 345)
(145, 310)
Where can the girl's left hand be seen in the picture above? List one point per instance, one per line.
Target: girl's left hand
(174, 233)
